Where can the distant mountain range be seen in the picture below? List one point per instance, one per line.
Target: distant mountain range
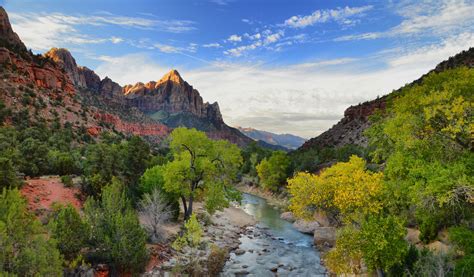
(287, 141)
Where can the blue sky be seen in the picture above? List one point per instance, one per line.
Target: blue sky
(283, 66)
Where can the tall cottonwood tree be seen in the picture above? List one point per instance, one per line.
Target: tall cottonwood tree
(201, 168)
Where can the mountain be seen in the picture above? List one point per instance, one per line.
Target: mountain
(57, 89)
(287, 141)
(350, 129)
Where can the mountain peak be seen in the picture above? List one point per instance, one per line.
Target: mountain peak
(12, 40)
(173, 75)
(66, 61)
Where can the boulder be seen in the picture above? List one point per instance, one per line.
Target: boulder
(324, 236)
(322, 218)
(307, 227)
(288, 216)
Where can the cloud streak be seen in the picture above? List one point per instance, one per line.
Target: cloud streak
(343, 16)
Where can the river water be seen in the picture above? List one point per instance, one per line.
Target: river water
(273, 246)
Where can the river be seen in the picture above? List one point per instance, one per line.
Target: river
(273, 246)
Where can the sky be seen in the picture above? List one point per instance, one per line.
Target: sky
(282, 66)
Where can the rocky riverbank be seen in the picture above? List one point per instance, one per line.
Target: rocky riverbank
(223, 229)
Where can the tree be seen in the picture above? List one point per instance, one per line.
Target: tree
(346, 189)
(378, 242)
(69, 230)
(274, 170)
(8, 177)
(155, 212)
(192, 234)
(202, 168)
(116, 233)
(153, 180)
(136, 154)
(34, 157)
(25, 249)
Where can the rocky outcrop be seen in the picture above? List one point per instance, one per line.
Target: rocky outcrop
(45, 75)
(324, 237)
(171, 94)
(90, 77)
(350, 129)
(8, 37)
(287, 141)
(306, 227)
(64, 59)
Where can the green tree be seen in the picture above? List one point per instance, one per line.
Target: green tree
(152, 180)
(136, 154)
(201, 168)
(273, 171)
(69, 231)
(34, 157)
(116, 233)
(8, 177)
(25, 249)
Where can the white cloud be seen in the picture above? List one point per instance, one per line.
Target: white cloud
(166, 48)
(211, 45)
(340, 15)
(265, 39)
(235, 38)
(221, 2)
(439, 18)
(116, 40)
(304, 99)
(41, 31)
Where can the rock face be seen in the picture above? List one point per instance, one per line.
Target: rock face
(350, 129)
(7, 36)
(64, 59)
(172, 95)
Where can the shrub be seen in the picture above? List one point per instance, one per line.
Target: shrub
(70, 232)
(216, 260)
(67, 180)
(192, 234)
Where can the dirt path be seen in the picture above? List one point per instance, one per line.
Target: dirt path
(42, 192)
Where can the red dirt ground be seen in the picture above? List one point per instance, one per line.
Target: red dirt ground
(43, 192)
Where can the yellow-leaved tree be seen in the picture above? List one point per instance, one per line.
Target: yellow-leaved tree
(346, 189)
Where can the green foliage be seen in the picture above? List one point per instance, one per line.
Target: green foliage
(116, 233)
(201, 168)
(152, 180)
(192, 234)
(62, 163)
(34, 153)
(69, 231)
(26, 251)
(463, 239)
(382, 242)
(8, 177)
(67, 180)
(252, 155)
(425, 138)
(273, 171)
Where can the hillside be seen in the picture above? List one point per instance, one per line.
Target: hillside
(54, 86)
(288, 141)
(350, 129)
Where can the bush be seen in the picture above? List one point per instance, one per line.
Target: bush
(25, 249)
(216, 260)
(463, 239)
(192, 235)
(115, 230)
(70, 232)
(67, 180)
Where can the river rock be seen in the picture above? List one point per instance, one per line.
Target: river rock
(239, 252)
(324, 236)
(307, 227)
(288, 216)
(322, 218)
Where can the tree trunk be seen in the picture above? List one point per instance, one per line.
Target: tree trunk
(185, 207)
(380, 272)
(189, 212)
